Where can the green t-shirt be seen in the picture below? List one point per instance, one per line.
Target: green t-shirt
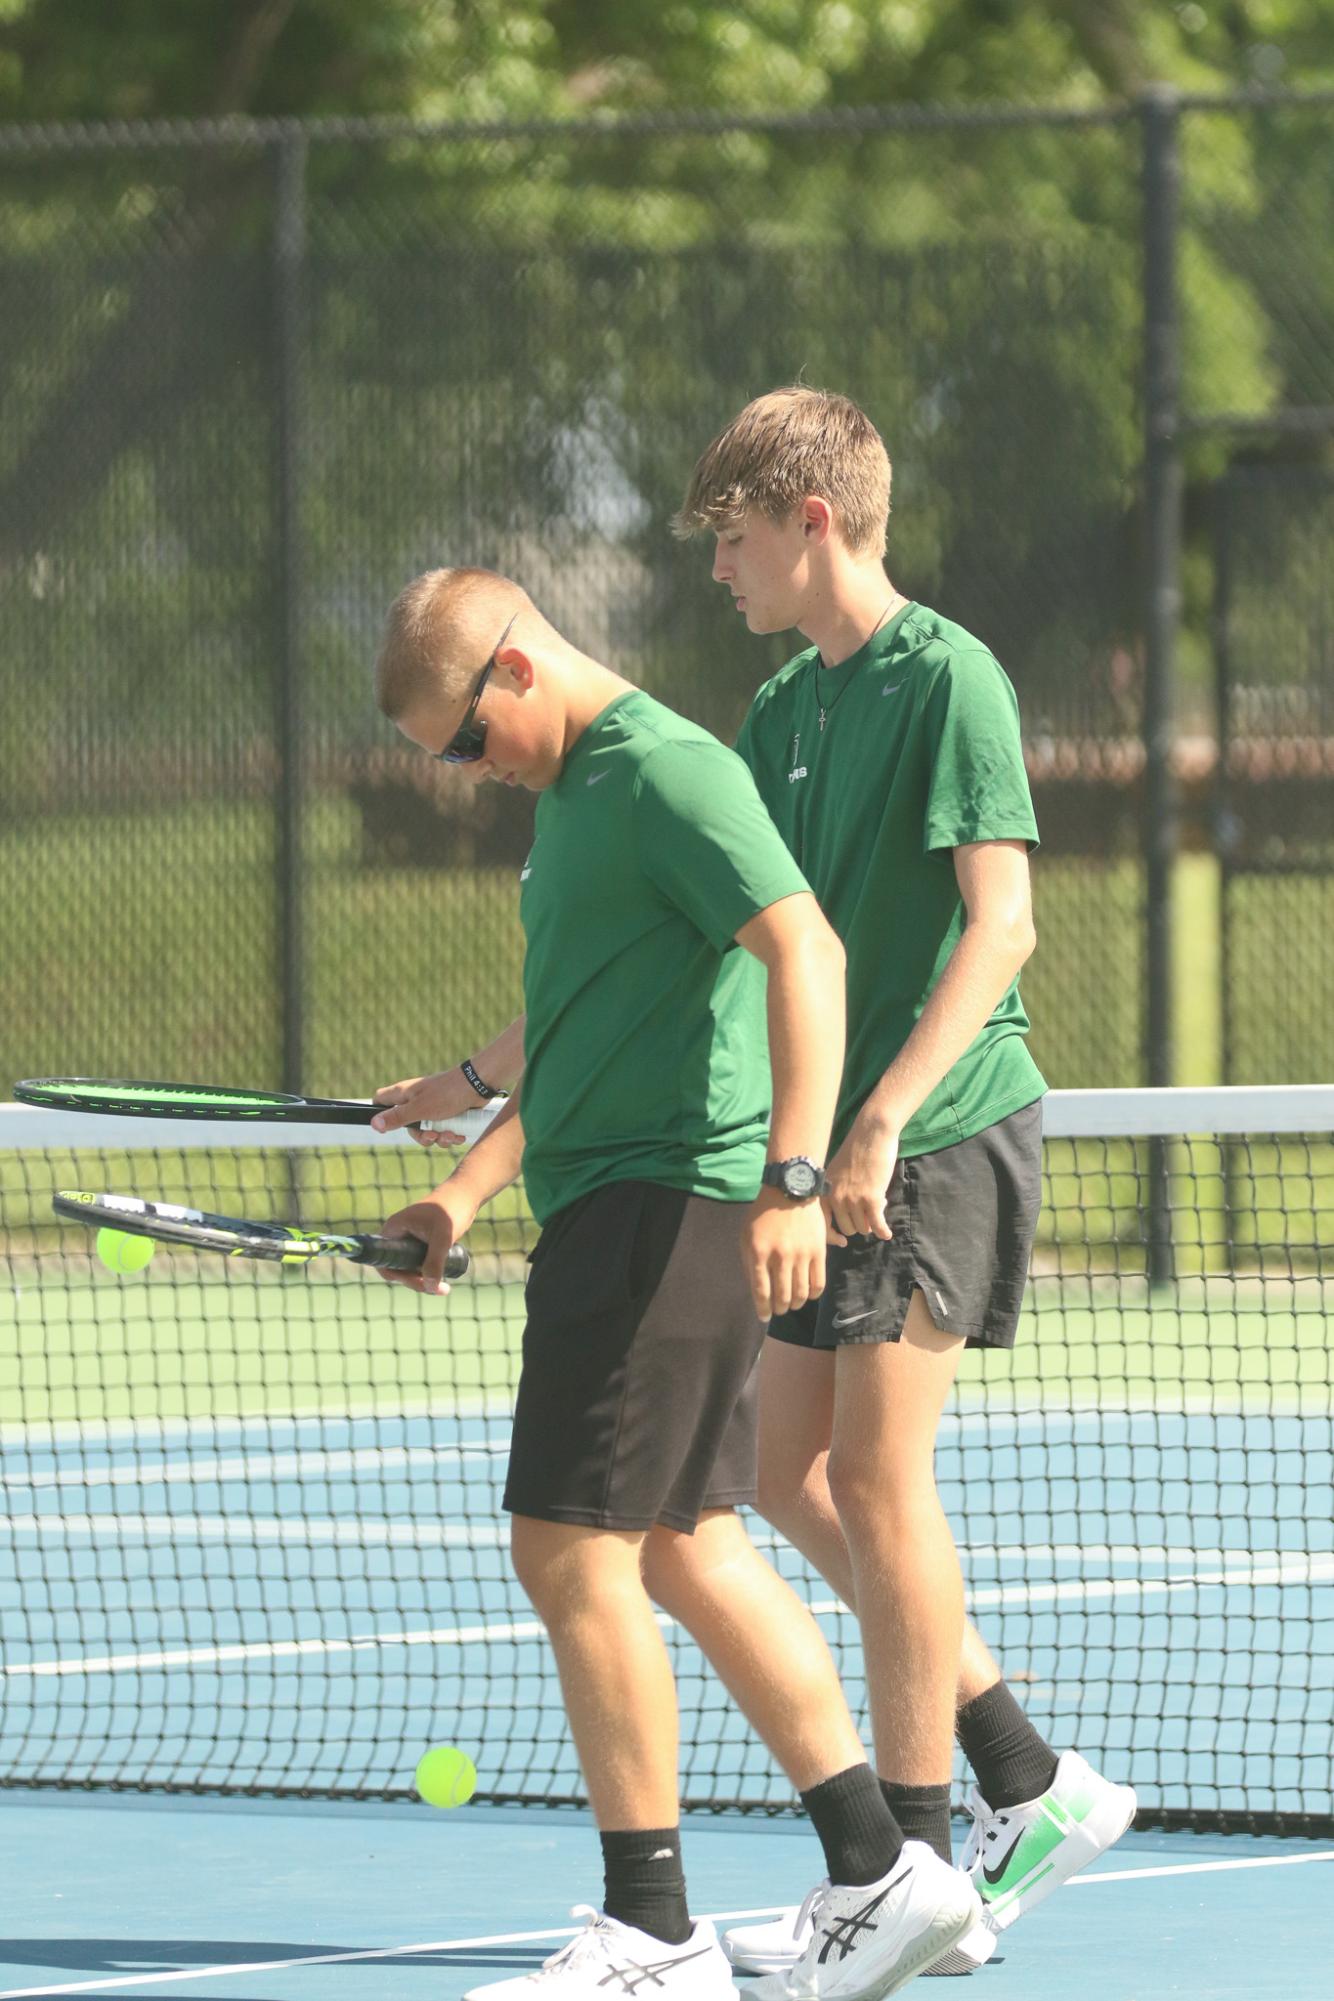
(919, 754)
(646, 1055)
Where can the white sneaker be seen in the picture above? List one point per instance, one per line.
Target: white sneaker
(775, 1946)
(869, 1941)
(779, 1943)
(608, 1958)
(1019, 1855)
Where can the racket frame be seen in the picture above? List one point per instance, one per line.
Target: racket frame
(106, 1097)
(275, 1243)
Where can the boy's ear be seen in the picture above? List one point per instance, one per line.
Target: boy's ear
(817, 517)
(518, 665)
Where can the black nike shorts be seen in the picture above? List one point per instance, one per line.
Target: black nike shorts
(963, 1222)
(637, 1397)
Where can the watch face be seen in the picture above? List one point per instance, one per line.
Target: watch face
(800, 1179)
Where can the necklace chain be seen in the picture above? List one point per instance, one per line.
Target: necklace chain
(866, 642)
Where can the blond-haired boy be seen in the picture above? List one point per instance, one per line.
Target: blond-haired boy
(888, 753)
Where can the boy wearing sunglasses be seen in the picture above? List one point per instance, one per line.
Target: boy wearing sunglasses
(667, 926)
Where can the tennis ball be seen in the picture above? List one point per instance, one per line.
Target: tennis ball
(446, 1776)
(120, 1252)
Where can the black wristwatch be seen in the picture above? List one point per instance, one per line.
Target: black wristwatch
(799, 1179)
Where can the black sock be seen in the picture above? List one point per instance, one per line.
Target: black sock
(923, 1812)
(859, 1835)
(646, 1886)
(1013, 1762)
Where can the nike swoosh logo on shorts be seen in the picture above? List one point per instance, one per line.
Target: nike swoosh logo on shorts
(850, 1319)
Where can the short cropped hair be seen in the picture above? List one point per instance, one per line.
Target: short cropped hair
(438, 634)
(783, 447)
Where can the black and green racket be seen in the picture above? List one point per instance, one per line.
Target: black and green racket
(126, 1097)
(279, 1243)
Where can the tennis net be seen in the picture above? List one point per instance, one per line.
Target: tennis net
(251, 1536)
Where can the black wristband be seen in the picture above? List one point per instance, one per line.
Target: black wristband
(483, 1090)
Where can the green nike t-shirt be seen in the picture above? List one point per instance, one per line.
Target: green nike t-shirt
(646, 1053)
(873, 771)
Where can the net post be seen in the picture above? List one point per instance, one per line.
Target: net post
(1160, 114)
(289, 258)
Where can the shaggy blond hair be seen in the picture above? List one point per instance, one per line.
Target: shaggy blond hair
(440, 632)
(783, 447)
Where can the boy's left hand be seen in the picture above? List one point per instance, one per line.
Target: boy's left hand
(783, 1250)
(860, 1174)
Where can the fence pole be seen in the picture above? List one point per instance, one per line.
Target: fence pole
(1160, 114)
(289, 248)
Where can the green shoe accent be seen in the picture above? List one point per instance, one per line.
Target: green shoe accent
(1022, 1863)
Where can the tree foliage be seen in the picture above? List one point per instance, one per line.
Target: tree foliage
(484, 59)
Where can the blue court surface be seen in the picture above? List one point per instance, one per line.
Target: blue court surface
(307, 1602)
(244, 1901)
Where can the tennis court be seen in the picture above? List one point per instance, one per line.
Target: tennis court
(251, 1544)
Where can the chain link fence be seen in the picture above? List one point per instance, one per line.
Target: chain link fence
(260, 375)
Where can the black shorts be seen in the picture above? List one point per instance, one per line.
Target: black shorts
(637, 1398)
(963, 1222)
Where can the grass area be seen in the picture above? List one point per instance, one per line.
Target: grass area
(108, 1350)
(1164, 1355)
(147, 944)
(167, 1345)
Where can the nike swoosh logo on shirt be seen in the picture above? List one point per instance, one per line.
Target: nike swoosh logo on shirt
(891, 687)
(598, 777)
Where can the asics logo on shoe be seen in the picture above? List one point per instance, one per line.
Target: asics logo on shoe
(632, 1977)
(846, 1933)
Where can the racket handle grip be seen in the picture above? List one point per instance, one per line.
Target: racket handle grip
(406, 1254)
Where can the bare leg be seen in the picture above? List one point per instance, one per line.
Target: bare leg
(586, 1588)
(888, 1400)
(796, 1426)
(762, 1642)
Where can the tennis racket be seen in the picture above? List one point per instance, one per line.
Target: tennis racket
(202, 1101)
(280, 1243)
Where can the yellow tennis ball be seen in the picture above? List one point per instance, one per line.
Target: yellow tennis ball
(446, 1776)
(120, 1252)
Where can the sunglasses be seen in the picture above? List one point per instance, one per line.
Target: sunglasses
(469, 740)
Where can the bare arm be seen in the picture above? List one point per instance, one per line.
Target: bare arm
(997, 938)
(785, 1240)
(447, 1213)
(806, 969)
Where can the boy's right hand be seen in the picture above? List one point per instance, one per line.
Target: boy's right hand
(416, 1098)
(439, 1220)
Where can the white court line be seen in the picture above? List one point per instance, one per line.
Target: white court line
(1196, 1868)
(272, 1650)
(1080, 1590)
(53, 1433)
(300, 1465)
(529, 1938)
(1235, 1565)
(258, 1529)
